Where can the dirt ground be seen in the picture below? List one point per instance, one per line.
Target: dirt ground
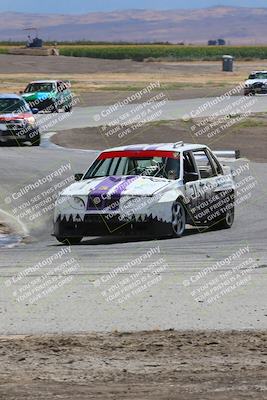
(93, 75)
(140, 366)
(106, 97)
(4, 230)
(249, 137)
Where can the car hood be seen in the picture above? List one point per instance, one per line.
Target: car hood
(37, 96)
(117, 186)
(252, 81)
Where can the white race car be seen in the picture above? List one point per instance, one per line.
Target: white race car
(156, 189)
(256, 83)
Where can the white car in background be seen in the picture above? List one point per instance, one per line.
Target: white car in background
(156, 188)
(256, 83)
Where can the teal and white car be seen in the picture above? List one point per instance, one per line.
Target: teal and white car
(49, 96)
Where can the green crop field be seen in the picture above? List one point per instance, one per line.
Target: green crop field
(140, 52)
(3, 50)
(175, 52)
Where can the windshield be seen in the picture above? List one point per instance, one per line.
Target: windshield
(39, 87)
(258, 75)
(162, 167)
(14, 106)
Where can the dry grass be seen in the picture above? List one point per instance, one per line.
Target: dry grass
(176, 75)
(121, 81)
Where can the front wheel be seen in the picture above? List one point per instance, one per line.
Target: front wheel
(249, 93)
(178, 219)
(228, 219)
(69, 240)
(68, 109)
(55, 108)
(36, 141)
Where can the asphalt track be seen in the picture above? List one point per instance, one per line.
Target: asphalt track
(80, 305)
(163, 109)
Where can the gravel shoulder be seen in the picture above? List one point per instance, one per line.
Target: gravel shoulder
(4, 230)
(141, 365)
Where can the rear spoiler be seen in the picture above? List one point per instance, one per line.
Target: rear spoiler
(233, 154)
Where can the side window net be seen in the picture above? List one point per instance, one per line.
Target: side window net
(204, 165)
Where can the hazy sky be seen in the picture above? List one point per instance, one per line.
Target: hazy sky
(83, 6)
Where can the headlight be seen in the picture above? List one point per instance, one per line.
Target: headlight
(78, 202)
(62, 200)
(73, 202)
(30, 120)
(134, 204)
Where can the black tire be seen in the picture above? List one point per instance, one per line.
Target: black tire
(55, 108)
(250, 93)
(178, 218)
(68, 109)
(69, 240)
(36, 141)
(227, 221)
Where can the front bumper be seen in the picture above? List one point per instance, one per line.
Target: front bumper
(255, 90)
(103, 225)
(19, 134)
(47, 105)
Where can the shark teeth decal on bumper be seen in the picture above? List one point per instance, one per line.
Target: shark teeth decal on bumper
(70, 218)
(96, 225)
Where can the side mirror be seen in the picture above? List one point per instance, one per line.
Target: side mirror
(78, 177)
(35, 110)
(21, 92)
(190, 177)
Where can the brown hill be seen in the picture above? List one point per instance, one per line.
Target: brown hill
(234, 24)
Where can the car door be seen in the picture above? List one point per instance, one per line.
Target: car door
(191, 186)
(224, 186)
(207, 184)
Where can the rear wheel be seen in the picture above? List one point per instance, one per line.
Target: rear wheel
(69, 240)
(178, 218)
